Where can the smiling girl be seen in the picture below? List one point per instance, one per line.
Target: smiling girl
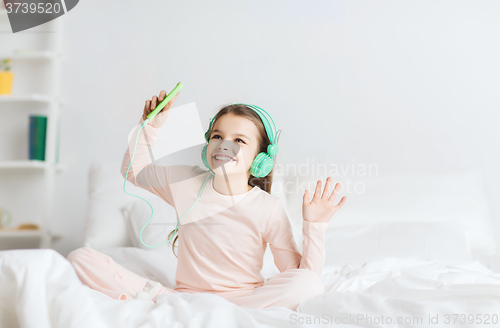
(223, 238)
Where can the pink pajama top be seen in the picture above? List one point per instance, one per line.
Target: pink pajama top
(222, 239)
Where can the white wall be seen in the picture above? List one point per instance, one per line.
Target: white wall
(405, 85)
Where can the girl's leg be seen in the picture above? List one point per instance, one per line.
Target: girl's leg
(100, 272)
(288, 289)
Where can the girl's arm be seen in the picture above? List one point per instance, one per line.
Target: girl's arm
(142, 172)
(313, 246)
(285, 252)
(317, 213)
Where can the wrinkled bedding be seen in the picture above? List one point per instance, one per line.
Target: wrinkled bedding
(39, 288)
(408, 292)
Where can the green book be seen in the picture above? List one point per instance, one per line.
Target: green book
(37, 137)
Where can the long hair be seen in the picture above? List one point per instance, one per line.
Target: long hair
(264, 183)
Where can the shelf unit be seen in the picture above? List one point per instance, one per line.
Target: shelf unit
(14, 238)
(34, 98)
(29, 164)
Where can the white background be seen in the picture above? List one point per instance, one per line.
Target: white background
(405, 85)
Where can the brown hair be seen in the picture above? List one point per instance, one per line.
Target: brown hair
(264, 183)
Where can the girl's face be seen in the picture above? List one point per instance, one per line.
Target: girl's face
(233, 144)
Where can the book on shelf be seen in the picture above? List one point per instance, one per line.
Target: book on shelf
(37, 137)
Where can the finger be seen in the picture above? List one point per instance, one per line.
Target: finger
(326, 192)
(305, 198)
(317, 192)
(153, 102)
(148, 106)
(144, 113)
(334, 193)
(341, 203)
(163, 93)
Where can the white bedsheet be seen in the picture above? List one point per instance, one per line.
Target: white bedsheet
(455, 295)
(39, 288)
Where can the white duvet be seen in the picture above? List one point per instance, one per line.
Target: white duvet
(39, 288)
(407, 292)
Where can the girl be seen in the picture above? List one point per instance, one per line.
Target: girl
(222, 240)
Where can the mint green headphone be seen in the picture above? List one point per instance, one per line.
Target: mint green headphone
(263, 163)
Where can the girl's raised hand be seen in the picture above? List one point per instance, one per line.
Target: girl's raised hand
(321, 208)
(161, 117)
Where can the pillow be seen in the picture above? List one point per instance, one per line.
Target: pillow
(440, 241)
(455, 197)
(444, 242)
(104, 226)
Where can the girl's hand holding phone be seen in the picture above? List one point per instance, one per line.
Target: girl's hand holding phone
(321, 208)
(161, 117)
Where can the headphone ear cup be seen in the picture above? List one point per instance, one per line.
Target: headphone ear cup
(254, 168)
(204, 157)
(262, 165)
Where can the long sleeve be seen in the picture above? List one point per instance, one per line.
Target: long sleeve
(142, 172)
(285, 252)
(313, 246)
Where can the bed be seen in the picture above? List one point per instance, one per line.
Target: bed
(406, 250)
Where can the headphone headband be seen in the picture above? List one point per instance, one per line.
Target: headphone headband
(271, 133)
(274, 135)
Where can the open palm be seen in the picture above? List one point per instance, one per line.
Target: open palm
(321, 208)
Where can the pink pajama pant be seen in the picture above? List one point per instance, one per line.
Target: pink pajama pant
(287, 289)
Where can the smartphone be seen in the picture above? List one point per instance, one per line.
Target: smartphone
(165, 101)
